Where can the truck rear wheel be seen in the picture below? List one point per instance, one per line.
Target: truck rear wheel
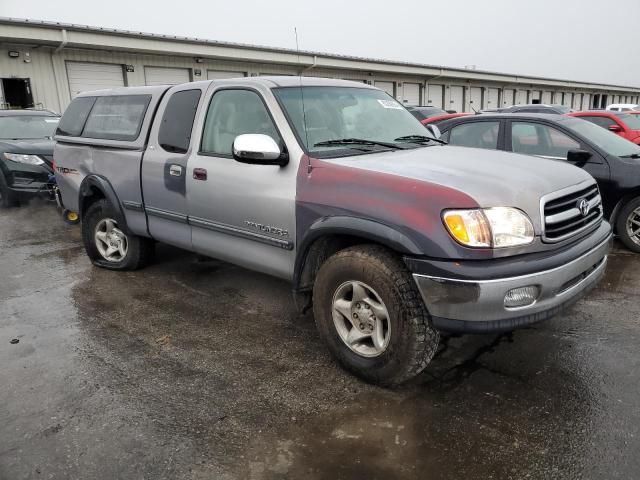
(369, 312)
(628, 224)
(110, 245)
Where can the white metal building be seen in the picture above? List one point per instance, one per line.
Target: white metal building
(46, 64)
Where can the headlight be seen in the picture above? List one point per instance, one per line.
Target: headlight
(28, 159)
(489, 227)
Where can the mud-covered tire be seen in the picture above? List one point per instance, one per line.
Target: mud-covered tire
(139, 251)
(413, 340)
(7, 197)
(624, 216)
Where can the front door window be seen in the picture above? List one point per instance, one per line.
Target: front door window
(541, 140)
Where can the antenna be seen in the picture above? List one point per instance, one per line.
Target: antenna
(304, 113)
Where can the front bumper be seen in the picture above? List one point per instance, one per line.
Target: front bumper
(27, 180)
(472, 305)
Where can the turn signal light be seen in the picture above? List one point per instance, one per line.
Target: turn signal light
(469, 227)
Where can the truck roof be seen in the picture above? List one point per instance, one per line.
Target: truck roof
(266, 81)
(27, 112)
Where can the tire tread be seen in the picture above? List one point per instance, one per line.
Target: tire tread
(424, 337)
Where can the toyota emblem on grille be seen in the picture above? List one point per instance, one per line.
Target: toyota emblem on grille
(584, 207)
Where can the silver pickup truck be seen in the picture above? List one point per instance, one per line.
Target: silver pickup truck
(389, 235)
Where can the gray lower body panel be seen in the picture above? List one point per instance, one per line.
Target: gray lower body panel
(479, 306)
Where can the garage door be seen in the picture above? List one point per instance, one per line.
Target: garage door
(558, 98)
(386, 86)
(492, 98)
(546, 98)
(475, 99)
(411, 93)
(568, 99)
(456, 99)
(85, 77)
(577, 101)
(222, 74)
(166, 76)
(535, 96)
(435, 95)
(586, 101)
(508, 97)
(521, 97)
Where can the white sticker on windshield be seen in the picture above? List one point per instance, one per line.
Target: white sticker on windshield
(51, 120)
(390, 104)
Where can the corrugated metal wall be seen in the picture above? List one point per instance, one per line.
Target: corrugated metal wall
(38, 68)
(49, 78)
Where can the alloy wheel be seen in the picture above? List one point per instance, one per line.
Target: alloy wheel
(633, 226)
(110, 241)
(361, 319)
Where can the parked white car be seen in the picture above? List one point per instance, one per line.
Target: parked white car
(623, 107)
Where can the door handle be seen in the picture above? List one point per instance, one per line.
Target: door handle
(199, 174)
(175, 170)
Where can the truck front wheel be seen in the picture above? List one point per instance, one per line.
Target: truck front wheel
(110, 245)
(369, 312)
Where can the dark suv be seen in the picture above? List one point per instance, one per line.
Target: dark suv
(26, 153)
(613, 161)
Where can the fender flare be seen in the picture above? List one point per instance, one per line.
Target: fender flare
(100, 183)
(352, 226)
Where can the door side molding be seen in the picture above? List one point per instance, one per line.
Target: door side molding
(240, 232)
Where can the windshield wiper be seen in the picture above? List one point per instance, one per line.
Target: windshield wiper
(357, 141)
(631, 155)
(420, 139)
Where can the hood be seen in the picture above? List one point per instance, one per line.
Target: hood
(491, 177)
(40, 146)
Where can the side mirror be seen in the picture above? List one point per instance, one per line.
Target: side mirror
(615, 128)
(258, 149)
(578, 157)
(435, 131)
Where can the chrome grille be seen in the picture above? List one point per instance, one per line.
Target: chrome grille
(563, 212)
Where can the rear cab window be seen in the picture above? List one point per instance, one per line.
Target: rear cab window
(75, 116)
(112, 117)
(117, 117)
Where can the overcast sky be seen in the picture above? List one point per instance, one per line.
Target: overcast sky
(588, 40)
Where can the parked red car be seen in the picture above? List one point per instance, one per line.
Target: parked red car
(428, 115)
(622, 123)
(440, 118)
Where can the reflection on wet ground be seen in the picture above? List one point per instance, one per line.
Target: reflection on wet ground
(193, 368)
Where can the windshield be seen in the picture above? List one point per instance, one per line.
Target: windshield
(336, 113)
(606, 140)
(632, 121)
(27, 127)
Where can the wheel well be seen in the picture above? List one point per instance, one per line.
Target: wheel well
(321, 249)
(613, 219)
(89, 196)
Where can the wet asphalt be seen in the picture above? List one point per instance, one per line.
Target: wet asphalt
(196, 369)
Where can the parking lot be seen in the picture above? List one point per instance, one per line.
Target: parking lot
(193, 368)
